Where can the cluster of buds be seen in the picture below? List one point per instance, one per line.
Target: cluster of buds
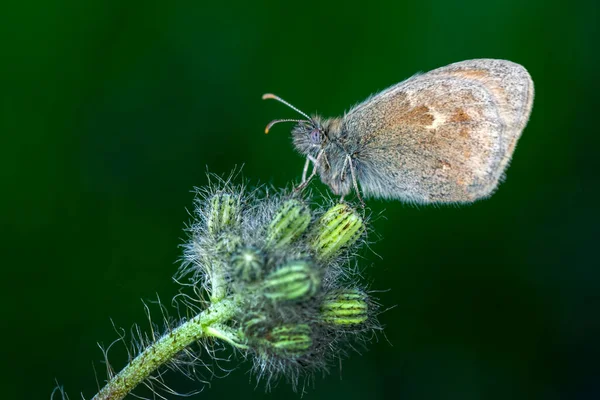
(287, 269)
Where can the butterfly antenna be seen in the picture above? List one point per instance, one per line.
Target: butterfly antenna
(281, 120)
(279, 99)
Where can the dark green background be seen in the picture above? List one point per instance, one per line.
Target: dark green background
(111, 112)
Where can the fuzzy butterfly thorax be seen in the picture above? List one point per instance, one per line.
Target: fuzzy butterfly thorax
(326, 135)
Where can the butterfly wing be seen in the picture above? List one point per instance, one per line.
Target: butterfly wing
(445, 136)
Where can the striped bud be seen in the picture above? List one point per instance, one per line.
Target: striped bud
(341, 226)
(223, 213)
(254, 324)
(345, 307)
(294, 281)
(226, 244)
(291, 221)
(290, 340)
(247, 264)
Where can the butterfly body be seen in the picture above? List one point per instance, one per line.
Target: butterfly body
(445, 136)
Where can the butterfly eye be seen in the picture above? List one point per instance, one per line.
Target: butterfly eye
(315, 136)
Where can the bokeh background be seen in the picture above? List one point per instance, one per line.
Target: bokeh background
(111, 112)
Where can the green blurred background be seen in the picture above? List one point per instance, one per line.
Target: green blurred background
(111, 112)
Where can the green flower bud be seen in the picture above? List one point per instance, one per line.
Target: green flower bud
(254, 324)
(341, 226)
(248, 264)
(290, 340)
(223, 213)
(226, 245)
(291, 221)
(345, 307)
(294, 281)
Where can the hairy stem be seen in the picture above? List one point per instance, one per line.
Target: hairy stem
(207, 323)
(219, 283)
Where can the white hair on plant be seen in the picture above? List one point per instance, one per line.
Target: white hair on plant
(266, 273)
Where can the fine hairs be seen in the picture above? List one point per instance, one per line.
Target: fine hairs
(266, 272)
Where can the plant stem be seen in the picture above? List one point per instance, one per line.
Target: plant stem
(165, 348)
(219, 283)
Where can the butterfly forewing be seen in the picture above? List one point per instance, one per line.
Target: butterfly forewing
(444, 136)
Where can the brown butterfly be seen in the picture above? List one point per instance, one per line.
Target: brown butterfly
(445, 136)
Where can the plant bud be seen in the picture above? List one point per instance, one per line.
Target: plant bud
(294, 281)
(341, 226)
(291, 340)
(223, 213)
(345, 307)
(254, 324)
(247, 264)
(226, 245)
(291, 221)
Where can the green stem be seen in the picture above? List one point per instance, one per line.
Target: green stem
(207, 323)
(219, 283)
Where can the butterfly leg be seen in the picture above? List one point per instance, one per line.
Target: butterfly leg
(305, 170)
(344, 165)
(313, 173)
(354, 182)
